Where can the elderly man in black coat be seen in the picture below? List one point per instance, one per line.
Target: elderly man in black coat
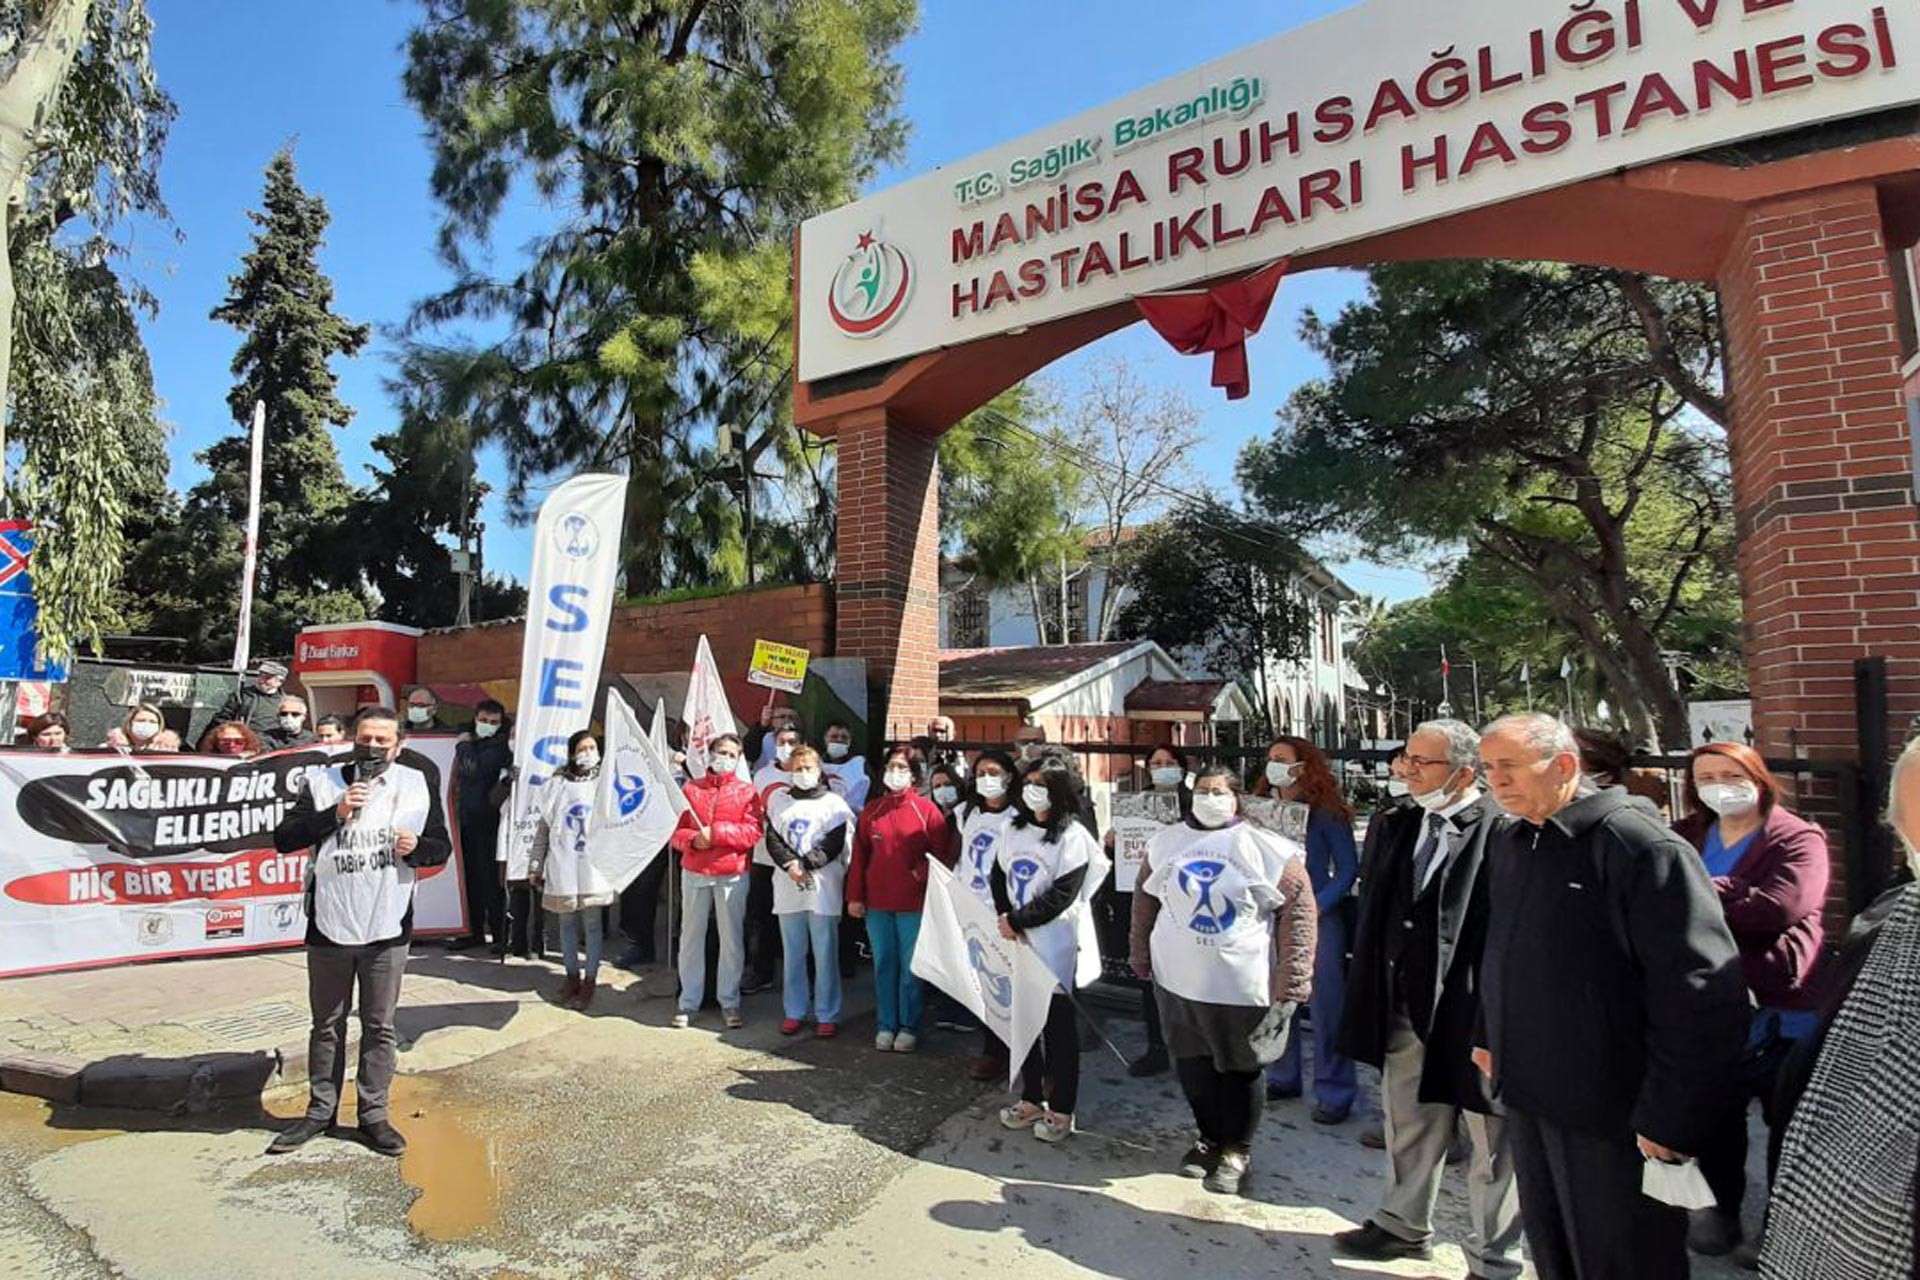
(1413, 1005)
(1613, 1007)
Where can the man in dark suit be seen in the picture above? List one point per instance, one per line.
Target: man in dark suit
(1413, 1004)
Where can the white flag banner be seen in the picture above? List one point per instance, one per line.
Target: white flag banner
(1004, 984)
(576, 556)
(657, 733)
(638, 803)
(707, 713)
(250, 549)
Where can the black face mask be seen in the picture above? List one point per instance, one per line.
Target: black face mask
(369, 762)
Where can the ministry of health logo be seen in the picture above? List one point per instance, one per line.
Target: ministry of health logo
(870, 289)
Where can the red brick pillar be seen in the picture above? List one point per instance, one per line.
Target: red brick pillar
(887, 579)
(1823, 468)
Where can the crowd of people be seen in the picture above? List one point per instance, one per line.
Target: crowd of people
(1555, 982)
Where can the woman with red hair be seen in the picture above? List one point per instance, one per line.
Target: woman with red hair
(1770, 867)
(1298, 771)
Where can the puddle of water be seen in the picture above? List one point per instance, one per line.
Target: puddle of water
(453, 1160)
(26, 1123)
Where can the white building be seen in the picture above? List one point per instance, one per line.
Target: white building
(1308, 698)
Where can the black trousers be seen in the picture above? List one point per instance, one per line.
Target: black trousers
(1585, 1217)
(529, 920)
(1723, 1156)
(1150, 1014)
(1227, 1105)
(763, 929)
(480, 879)
(1055, 1060)
(640, 908)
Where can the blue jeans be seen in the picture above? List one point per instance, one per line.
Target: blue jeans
(896, 992)
(797, 930)
(1334, 1082)
(570, 937)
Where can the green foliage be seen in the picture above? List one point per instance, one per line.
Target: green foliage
(1215, 587)
(310, 555)
(686, 140)
(83, 411)
(1559, 421)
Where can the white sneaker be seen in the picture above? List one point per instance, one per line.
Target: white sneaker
(905, 1042)
(884, 1042)
(1053, 1128)
(681, 1021)
(1021, 1115)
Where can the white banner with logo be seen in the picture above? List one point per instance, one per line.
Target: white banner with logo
(576, 557)
(1004, 984)
(708, 714)
(109, 858)
(638, 800)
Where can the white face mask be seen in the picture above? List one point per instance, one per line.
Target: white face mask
(142, 730)
(726, 764)
(1030, 750)
(1433, 801)
(1281, 775)
(1038, 799)
(991, 786)
(1212, 809)
(585, 760)
(1397, 787)
(897, 780)
(1730, 799)
(419, 715)
(291, 722)
(946, 797)
(783, 752)
(838, 750)
(1167, 776)
(485, 728)
(805, 779)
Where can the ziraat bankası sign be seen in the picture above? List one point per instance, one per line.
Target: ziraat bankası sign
(1379, 117)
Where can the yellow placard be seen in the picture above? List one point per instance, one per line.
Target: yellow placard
(778, 666)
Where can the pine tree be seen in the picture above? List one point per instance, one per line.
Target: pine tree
(309, 562)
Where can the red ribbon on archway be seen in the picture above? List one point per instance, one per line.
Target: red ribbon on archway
(1219, 320)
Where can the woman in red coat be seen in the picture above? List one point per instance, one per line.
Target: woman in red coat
(1770, 867)
(887, 886)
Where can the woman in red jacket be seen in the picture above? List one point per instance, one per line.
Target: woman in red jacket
(1770, 867)
(715, 842)
(887, 886)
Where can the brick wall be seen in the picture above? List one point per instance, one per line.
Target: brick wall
(1829, 543)
(888, 565)
(650, 637)
(1822, 467)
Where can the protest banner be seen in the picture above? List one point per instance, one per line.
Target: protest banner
(576, 556)
(1138, 816)
(637, 802)
(1004, 984)
(108, 858)
(1287, 818)
(778, 666)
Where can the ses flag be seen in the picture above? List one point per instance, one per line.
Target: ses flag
(1004, 984)
(20, 609)
(637, 802)
(576, 555)
(707, 713)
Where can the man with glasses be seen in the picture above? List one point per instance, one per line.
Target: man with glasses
(1413, 1003)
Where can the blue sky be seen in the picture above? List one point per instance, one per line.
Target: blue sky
(978, 72)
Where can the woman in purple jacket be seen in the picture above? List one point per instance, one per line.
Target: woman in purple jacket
(1771, 868)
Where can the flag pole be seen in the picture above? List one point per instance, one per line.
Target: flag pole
(250, 556)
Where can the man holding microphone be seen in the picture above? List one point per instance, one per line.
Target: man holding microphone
(371, 819)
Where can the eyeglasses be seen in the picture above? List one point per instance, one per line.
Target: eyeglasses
(1421, 762)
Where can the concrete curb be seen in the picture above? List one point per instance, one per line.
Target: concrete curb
(41, 1076)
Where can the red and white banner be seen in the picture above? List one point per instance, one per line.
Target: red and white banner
(108, 858)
